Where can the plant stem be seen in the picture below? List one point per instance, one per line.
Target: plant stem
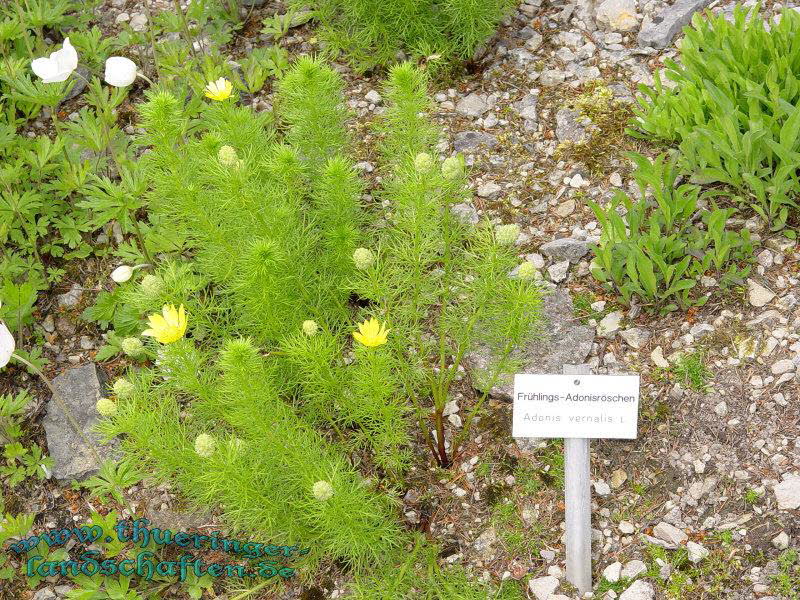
(185, 27)
(149, 16)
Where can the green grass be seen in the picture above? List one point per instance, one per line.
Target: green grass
(691, 372)
(787, 582)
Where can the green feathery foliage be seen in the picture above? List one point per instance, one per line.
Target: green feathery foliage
(264, 461)
(372, 33)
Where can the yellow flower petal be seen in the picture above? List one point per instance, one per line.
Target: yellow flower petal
(371, 333)
(169, 326)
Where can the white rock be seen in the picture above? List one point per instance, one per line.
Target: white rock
(669, 534)
(697, 552)
(609, 325)
(657, 356)
(558, 271)
(612, 572)
(373, 97)
(787, 492)
(640, 590)
(472, 106)
(626, 527)
(618, 15)
(781, 541)
(721, 409)
(138, 22)
(489, 190)
(782, 366)
(758, 295)
(543, 587)
(635, 337)
(633, 569)
(601, 488)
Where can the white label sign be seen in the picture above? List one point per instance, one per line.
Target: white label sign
(576, 406)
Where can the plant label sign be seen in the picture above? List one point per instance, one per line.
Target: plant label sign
(576, 406)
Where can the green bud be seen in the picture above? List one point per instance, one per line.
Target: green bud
(322, 491)
(122, 388)
(506, 235)
(423, 162)
(228, 157)
(453, 167)
(364, 258)
(132, 347)
(526, 270)
(310, 327)
(204, 445)
(106, 407)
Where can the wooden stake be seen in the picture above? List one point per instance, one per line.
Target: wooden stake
(578, 500)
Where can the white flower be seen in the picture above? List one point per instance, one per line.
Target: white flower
(322, 491)
(122, 274)
(7, 345)
(58, 66)
(120, 71)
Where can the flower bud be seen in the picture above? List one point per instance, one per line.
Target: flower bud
(204, 445)
(526, 270)
(132, 347)
(151, 285)
(310, 327)
(453, 167)
(423, 162)
(506, 235)
(122, 388)
(322, 491)
(106, 407)
(122, 274)
(364, 258)
(228, 157)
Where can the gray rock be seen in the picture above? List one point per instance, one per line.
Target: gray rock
(138, 22)
(542, 588)
(782, 366)
(45, 594)
(472, 106)
(551, 77)
(568, 127)
(484, 545)
(373, 97)
(640, 590)
(560, 340)
(787, 492)
(466, 213)
(470, 140)
(527, 107)
(669, 534)
(79, 84)
(71, 298)
(489, 190)
(781, 541)
(659, 32)
(635, 337)
(80, 388)
(566, 249)
(558, 271)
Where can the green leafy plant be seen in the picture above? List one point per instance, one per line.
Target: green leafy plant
(20, 461)
(657, 251)
(734, 110)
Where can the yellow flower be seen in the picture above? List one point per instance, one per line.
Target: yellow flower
(371, 333)
(219, 90)
(169, 326)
